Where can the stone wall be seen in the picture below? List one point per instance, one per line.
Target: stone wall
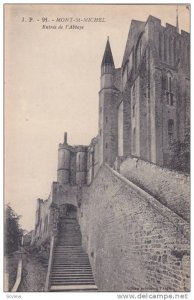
(134, 242)
(169, 187)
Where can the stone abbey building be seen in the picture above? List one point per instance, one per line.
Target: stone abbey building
(144, 106)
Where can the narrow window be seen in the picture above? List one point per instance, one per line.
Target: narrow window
(165, 48)
(170, 50)
(134, 140)
(79, 164)
(140, 49)
(106, 119)
(169, 92)
(160, 45)
(133, 110)
(179, 46)
(106, 145)
(174, 48)
(170, 131)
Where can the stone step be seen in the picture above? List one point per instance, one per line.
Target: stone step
(75, 277)
(73, 255)
(79, 253)
(69, 261)
(69, 224)
(71, 267)
(71, 275)
(73, 287)
(69, 242)
(89, 276)
(73, 244)
(69, 231)
(77, 273)
(77, 264)
(77, 235)
(69, 235)
(65, 262)
(71, 282)
(65, 236)
(72, 271)
(65, 281)
(69, 239)
(71, 247)
(68, 249)
(64, 256)
(71, 258)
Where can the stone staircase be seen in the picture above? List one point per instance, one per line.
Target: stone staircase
(71, 270)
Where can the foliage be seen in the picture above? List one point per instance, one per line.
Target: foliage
(13, 232)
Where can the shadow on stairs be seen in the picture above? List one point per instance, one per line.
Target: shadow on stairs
(71, 270)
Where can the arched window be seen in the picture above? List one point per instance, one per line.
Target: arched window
(165, 48)
(79, 162)
(46, 224)
(170, 50)
(169, 92)
(133, 110)
(174, 50)
(133, 101)
(160, 45)
(134, 141)
(170, 131)
(180, 46)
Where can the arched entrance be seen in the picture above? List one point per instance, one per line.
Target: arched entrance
(69, 233)
(68, 211)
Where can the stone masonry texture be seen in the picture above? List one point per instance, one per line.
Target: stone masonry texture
(169, 187)
(133, 244)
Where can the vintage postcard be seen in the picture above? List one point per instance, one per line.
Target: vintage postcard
(97, 148)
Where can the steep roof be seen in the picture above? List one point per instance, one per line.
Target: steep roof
(107, 58)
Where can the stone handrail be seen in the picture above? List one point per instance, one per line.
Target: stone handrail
(49, 263)
(18, 277)
(171, 215)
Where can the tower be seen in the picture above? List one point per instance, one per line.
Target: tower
(108, 116)
(64, 155)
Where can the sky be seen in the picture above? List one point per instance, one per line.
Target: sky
(51, 85)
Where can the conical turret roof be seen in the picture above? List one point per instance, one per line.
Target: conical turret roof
(107, 58)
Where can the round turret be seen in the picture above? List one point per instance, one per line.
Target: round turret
(81, 165)
(64, 156)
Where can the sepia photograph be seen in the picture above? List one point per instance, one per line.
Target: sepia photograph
(97, 148)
